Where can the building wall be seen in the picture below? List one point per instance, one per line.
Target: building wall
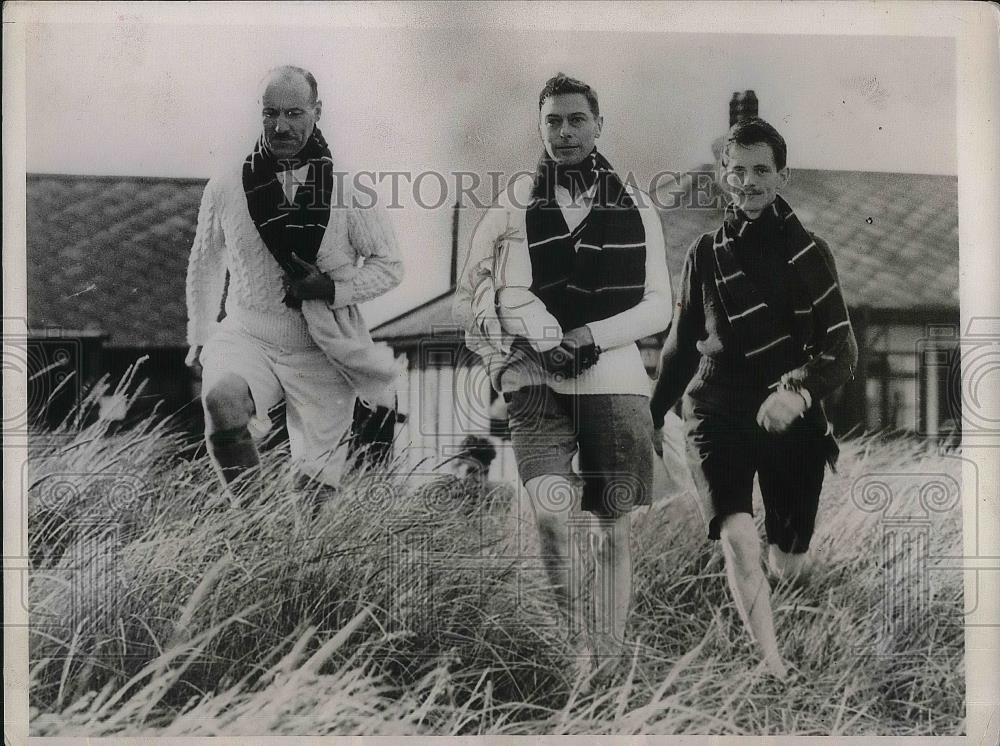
(446, 393)
(443, 403)
(169, 387)
(907, 380)
(61, 368)
(911, 372)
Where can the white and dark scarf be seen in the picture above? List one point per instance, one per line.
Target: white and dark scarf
(598, 269)
(818, 306)
(290, 227)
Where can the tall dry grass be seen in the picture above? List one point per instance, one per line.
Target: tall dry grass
(158, 607)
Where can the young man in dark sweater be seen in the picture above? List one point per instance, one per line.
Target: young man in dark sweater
(760, 336)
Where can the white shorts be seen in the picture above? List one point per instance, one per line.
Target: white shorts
(319, 402)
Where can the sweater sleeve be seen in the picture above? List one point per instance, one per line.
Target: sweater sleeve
(680, 356)
(206, 273)
(836, 355)
(521, 312)
(371, 235)
(651, 314)
(473, 304)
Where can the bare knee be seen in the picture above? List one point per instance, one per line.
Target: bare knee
(552, 499)
(228, 404)
(740, 543)
(786, 566)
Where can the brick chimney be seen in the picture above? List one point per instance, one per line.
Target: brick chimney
(742, 106)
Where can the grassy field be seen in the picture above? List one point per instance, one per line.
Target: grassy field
(158, 608)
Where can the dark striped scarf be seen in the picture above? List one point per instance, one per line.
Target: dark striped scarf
(819, 308)
(598, 269)
(290, 228)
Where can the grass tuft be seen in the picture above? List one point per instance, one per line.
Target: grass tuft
(160, 608)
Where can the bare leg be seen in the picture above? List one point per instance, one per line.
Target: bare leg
(612, 581)
(552, 498)
(790, 568)
(228, 408)
(741, 547)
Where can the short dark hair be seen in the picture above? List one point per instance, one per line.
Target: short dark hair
(561, 83)
(755, 131)
(283, 70)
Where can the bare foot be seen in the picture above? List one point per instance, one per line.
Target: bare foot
(777, 669)
(583, 666)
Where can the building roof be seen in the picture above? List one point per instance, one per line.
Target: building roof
(433, 316)
(110, 252)
(894, 237)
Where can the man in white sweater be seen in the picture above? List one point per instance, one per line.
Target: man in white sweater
(565, 273)
(290, 242)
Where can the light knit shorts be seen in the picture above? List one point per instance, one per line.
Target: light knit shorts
(319, 402)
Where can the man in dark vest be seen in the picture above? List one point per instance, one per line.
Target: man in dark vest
(566, 272)
(760, 336)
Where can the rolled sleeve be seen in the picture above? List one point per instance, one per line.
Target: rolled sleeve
(373, 238)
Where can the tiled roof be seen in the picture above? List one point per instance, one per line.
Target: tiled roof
(433, 316)
(110, 253)
(894, 237)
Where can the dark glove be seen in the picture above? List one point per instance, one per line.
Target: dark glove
(579, 343)
(657, 436)
(562, 361)
(570, 361)
(658, 417)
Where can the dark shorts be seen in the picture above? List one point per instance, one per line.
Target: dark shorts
(726, 447)
(611, 431)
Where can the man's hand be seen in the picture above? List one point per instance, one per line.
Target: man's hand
(578, 338)
(193, 360)
(568, 359)
(314, 286)
(780, 410)
(658, 440)
(658, 417)
(578, 346)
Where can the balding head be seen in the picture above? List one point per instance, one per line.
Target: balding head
(290, 109)
(290, 74)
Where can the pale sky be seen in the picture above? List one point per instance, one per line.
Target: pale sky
(179, 100)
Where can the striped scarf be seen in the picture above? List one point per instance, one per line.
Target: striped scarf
(598, 269)
(295, 228)
(818, 311)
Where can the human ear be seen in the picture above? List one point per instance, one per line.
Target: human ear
(723, 177)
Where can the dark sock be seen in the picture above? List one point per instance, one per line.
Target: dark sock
(318, 492)
(233, 452)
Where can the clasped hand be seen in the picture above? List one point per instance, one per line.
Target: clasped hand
(780, 410)
(573, 355)
(313, 286)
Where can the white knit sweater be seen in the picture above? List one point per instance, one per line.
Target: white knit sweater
(358, 251)
(505, 265)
